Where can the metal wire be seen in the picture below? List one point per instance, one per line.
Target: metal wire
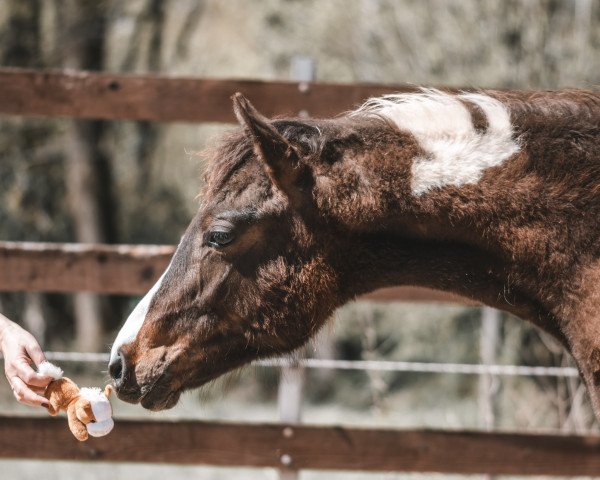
(77, 357)
(380, 365)
(422, 367)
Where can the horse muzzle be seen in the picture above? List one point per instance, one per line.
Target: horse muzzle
(153, 389)
(126, 386)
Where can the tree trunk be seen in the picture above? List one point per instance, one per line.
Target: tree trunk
(20, 36)
(82, 187)
(20, 47)
(84, 165)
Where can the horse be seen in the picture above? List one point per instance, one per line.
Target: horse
(492, 195)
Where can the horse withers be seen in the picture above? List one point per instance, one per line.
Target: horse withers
(491, 195)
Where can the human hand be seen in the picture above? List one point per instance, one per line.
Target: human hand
(20, 349)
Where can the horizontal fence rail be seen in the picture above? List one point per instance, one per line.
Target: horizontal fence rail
(123, 269)
(93, 95)
(77, 267)
(306, 447)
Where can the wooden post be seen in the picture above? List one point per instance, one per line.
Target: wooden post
(291, 382)
(488, 344)
(583, 19)
(490, 329)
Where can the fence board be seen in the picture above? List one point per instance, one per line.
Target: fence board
(108, 96)
(107, 269)
(122, 269)
(308, 447)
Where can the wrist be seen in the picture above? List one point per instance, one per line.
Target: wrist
(5, 325)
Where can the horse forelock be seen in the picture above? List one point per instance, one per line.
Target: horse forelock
(232, 152)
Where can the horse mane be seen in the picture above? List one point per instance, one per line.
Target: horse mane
(570, 104)
(428, 108)
(478, 124)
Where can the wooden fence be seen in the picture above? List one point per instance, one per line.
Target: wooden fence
(122, 269)
(306, 447)
(167, 99)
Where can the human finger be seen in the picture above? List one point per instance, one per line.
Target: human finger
(35, 352)
(29, 375)
(25, 395)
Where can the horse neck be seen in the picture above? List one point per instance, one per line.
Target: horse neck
(471, 209)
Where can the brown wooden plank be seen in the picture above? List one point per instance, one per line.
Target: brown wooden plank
(418, 295)
(108, 269)
(123, 269)
(309, 447)
(108, 96)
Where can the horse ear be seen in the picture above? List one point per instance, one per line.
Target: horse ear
(281, 158)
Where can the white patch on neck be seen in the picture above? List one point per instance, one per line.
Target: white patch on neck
(456, 153)
(134, 322)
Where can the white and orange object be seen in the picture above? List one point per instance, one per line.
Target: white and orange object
(88, 409)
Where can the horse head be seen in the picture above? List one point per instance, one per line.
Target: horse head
(255, 274)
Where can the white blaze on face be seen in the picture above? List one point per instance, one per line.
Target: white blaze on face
(456, 153)
(136, 319)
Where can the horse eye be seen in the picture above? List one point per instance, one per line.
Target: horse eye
(220, 238)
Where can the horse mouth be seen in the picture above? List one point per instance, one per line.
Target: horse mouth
(159, 397)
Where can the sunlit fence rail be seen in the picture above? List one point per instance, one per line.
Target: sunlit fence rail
(166, 99)
(306, 447)
(131, 270)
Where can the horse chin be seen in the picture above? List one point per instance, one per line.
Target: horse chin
(127, 396)
(165, 403)
(160, 401)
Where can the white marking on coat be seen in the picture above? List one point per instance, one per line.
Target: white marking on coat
(456, 154)
(134, 322)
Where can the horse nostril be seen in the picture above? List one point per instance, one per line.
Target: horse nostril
(115, 369)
